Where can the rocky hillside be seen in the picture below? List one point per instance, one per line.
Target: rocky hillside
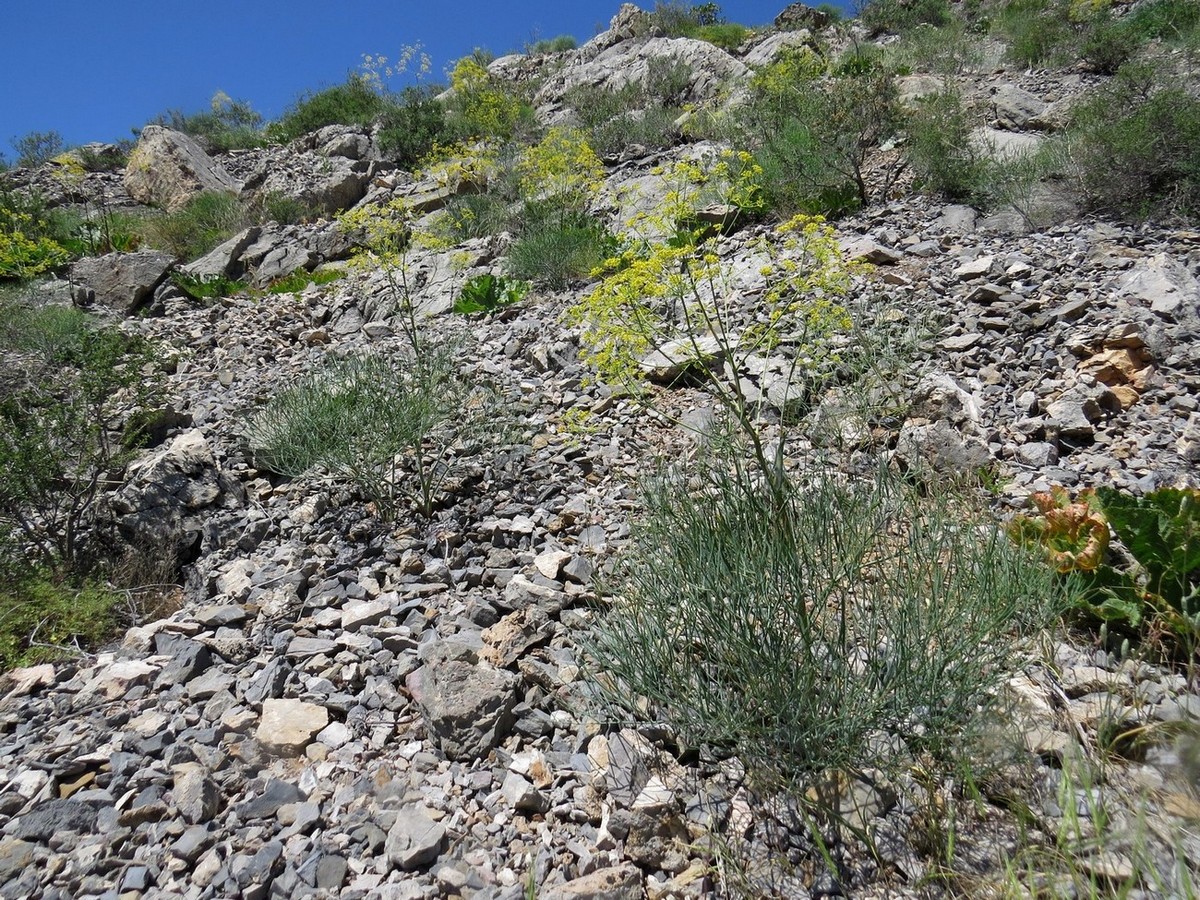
(351, 693)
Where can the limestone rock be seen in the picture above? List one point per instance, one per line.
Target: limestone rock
(288, 726)
(940, 450)
(1015, 109)
(710, 69)
(622, 882)
(167, 494)
(799, 15)
(467, 705)
(414, 840)
(123, 281)
(168, 168)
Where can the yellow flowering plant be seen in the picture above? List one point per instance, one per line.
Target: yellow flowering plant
(677, 296)
(387, 235)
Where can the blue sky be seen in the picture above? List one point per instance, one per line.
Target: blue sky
(92, 71)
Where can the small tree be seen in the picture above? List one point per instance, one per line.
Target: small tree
(66, 392)
(38, 147)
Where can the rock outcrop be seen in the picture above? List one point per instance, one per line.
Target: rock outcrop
(167, 168)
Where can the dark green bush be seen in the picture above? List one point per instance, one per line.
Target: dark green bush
(66, 390)
(1168, 20)
(1134, 149)
(1108, 45)
(1038, 32)
(410, 126)
(814, 135)
(898, 16)
(354, 102)
(940, 150)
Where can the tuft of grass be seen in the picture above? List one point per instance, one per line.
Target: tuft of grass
(198, 226)
(394, 428)
(560, 44)
(558, 246)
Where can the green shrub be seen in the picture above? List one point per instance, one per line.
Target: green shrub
(398, 429)
(940, 149)
(813, 135)
(355, 102)
(812, 623)
(1134, 149)
(558, 245)
(1037, 32)
(487, 293)
(43, 619)
(898, 16)
(410, 127)
(228, 125)
(1174, 21)
(37, 148)
(1108, 45)
(66, 390)
(201, 224)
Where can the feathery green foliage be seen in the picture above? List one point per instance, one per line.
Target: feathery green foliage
(794, 625)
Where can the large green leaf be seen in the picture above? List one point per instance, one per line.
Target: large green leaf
(1162, 531)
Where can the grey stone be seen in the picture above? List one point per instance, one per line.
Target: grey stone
(196, 796)
(123, 281)
(940, 450)
(622, 882)
(288, 726)
(414, 840)
(523, 796)
(467, 706)
(188, 658)
(15, 857)
(331, 873)
(266, 803)
(1016, 109)
(55, 816)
